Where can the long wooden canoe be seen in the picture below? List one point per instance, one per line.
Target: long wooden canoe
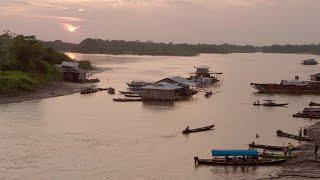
(223, 162)
(206, 128)
(287, 135)
(269, 147)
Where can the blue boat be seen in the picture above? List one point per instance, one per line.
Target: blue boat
(237, 157)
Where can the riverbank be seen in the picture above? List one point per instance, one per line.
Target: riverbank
(306, 165)
(54, 89)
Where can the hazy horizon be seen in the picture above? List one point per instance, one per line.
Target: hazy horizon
(241, 22)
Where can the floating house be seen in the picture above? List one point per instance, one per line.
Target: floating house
(203, 76)
(72, 73)
(178, 80)
(309, 62)
(315, 77)
(161, 91)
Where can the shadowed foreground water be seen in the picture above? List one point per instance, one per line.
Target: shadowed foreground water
(91, 137)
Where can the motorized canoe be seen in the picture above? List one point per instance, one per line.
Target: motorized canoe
(223, 162)
(127, 100)
(269, 147)
(287, 135)
(314, 104)
(269, 103)
(307, 115)
(133, 95)
(206, 128)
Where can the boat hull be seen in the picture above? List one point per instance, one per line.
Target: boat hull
(291, 136)
(223, 162)
(207, 128)
(269, 147)
(312, 88)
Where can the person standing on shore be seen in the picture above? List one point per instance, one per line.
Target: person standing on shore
(316, 149)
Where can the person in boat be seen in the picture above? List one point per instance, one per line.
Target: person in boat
(290, 148)
(305, 131)
(257, 136)
(285, 150)
(264, 152)
(227, 158)
(316, 149)
(300, 132)
(187, 128)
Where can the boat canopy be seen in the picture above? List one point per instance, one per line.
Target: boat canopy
(234, 152)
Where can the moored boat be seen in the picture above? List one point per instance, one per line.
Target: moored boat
(294, 86)
(307, 115)
(206, 128)
(270, 147)
(111, 90)
(240, 157)
(133, 95)
(314, 104)
(89, 91)
(138, 84)
(291, 136)
(126, 100)
(309, 62)
(269, 103)
(208, 94)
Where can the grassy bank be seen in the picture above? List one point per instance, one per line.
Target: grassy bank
(14, 81)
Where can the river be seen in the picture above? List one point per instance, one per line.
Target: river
(92, 137)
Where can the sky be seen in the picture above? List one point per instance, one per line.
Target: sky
(255, 22)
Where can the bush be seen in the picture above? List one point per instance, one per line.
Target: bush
(86, 65)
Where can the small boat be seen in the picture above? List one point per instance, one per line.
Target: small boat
(133, 95)
(208, 94)
(314, 104)
(242, 158)
(269, 147)
(126, 100)
(309, 62)
(138, 84)
(261, 162)
(287, 135)
(89, 91)
(206, 128)
(307, 115)
(269, 103)
(130, 92)
(111, 90)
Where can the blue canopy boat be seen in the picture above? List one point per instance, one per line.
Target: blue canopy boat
(239, 157)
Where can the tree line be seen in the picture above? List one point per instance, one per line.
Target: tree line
(99, 46)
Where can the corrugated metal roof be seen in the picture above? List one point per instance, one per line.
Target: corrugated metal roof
(180, 80)
(162, 86)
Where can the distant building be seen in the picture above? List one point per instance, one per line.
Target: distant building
(72, 73)
(162, 91)
(315, 77)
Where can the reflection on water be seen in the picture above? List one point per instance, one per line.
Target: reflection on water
(92, 137)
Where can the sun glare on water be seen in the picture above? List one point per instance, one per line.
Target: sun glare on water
(70, 27)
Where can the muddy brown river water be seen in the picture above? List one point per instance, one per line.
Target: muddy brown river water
(92, 137)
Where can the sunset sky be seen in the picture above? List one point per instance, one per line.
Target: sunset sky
(257, 22)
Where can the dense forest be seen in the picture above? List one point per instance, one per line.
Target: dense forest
(26, 63)
(99, 46)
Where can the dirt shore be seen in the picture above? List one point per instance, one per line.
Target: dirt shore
(306, 165)
(51, 90)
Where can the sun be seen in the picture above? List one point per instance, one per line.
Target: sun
(70, 27)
